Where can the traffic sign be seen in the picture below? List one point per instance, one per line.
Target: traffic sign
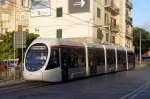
(19, 39)
(79, 6)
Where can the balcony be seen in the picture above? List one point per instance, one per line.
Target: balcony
(129, 20)
(129, 36)
(106, 24)
(112, 8)
(112, 28)
(129, 4)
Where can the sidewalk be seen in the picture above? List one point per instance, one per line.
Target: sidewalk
(138, 65)
(10, 82)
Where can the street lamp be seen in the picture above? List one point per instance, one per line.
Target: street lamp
(140, 49)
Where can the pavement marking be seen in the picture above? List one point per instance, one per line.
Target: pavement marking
(139, 92)
(136, 92)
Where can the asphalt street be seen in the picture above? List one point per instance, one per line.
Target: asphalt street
(133, 84)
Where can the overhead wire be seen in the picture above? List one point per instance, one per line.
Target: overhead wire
(87, 21)
(18, 6)
(82, 20)
(65, 13)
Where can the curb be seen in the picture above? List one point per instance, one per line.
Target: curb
(10, 82)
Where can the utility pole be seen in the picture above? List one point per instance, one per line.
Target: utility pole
(22, 55)
(1, 23)
(140, 49)
(14, 40)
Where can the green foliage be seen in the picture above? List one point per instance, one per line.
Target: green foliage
(31, 37)
(6, 45)
(145, 35)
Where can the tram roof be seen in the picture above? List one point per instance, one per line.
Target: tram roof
(53, 41)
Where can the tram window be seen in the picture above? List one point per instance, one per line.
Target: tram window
(36, 57)
(73, 57)
(64, 57)
(81, 57)
(130, 58)
(96, 57)
(111, 59)
(121, 57)
(54, 59)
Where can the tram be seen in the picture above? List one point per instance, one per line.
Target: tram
(56, 60)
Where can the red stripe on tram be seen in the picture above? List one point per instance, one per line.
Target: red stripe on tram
(65, 46)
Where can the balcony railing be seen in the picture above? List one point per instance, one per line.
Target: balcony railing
(129, 36)
(115, 28)
(112, 8)
(129, 4)
(107, 23)
(112, 28)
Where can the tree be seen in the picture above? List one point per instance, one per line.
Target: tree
(6, 45)
(31, 37)
(145, 35)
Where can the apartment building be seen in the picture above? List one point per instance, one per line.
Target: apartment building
(125, 36)
(102, 21)
(14, 15)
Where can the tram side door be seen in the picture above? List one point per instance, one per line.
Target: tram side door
(64, 64)
(92, 63)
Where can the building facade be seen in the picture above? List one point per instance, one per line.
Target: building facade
(125, 36)
(14, 15)
(102, 21)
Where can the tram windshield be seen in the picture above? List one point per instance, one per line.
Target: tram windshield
(36, 57)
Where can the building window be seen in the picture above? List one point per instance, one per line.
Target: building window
(22, 3)
(107, 36)
(2, 2)
(6, 30)
(59, 12)
(113, 22)
(106, 2)
(29, 3)
(99, 34)
(106, 19)
(59, 33)
(113, 39)
(36, 30)
(20, 28)
(98, 12)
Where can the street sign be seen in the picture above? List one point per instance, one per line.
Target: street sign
(19, 39)
(79, 6)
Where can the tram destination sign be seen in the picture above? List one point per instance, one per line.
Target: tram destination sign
(79, 6)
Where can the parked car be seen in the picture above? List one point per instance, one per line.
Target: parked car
(2, 65)
(146, 58)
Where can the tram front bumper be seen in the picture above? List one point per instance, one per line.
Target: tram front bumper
(33, 76)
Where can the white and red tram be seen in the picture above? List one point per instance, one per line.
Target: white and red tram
(56, 60)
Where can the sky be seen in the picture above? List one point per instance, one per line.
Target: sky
(141, 13)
